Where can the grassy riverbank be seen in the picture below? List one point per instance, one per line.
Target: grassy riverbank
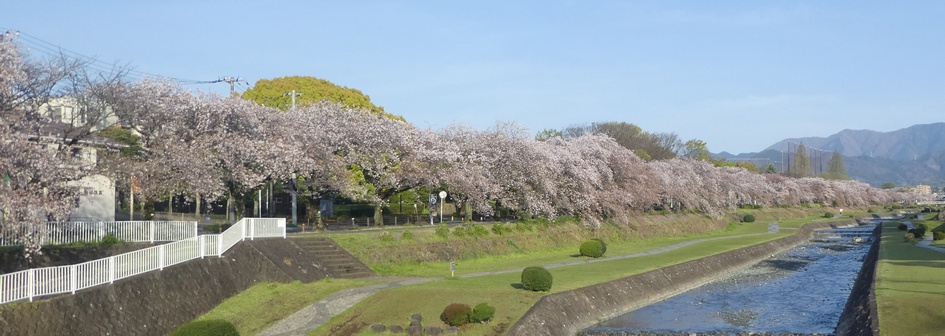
(910, 285)
(394, 306)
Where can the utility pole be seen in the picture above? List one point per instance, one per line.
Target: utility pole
(232, 81)
(293, 94)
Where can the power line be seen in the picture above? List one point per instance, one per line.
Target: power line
(34, 43)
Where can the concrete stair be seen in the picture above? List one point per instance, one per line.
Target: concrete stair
(338, 262)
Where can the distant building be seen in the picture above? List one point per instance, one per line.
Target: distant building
(97, 195)
(923, 189)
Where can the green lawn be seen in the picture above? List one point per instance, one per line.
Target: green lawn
(395, 305)
(264, 304)
(910, 286)
(261, 306)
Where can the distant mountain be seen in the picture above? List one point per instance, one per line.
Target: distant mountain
(901, 145)
(909, 156)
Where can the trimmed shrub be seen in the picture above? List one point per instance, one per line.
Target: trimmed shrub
(592, 248)
(537, 279)
(482, 313)
(938, 235)
(749, 218)
(442, 231)
(909, 237)
(406, 235)
(500, 229)
(456, 314)
(477, 230)
(207, 328)
(459, 231)
(902, 227)
(602, 244)
(828, 215)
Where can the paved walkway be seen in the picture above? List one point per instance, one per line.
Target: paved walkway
(925, 242)
(309, 318)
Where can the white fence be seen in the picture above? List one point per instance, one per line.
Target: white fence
(56, 233)
(38, 282)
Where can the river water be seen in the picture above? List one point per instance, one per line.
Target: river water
(800, 291)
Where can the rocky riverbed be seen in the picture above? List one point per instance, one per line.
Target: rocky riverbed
(799, 292)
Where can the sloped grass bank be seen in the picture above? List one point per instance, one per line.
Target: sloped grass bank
(394, 306)
(480, 247)
(910, 286)
(264, 304)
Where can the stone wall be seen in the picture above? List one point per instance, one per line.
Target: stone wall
(567, 313)
(153, 303)
(859, 316)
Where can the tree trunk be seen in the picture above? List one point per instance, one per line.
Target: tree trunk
(378, 215)
(467, 211)
(230, 211)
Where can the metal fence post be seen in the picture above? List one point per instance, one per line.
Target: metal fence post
(161, 257)
(111, 269)
(195, 229)
(252, 229)
(31, 282)
(72, 278)
(201, 244)
(152, 232)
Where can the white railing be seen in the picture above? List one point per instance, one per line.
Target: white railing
(38, 282)
(57, 233)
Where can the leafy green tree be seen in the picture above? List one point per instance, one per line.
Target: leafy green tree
(800, 166)
(887, 185)
(770, 169)
(655, 146)
(836, 169)
(309, 90)
(547, 133)
(696, 149)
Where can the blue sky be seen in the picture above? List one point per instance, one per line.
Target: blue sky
(740, 75)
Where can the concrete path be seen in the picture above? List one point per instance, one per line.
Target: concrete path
(309, 318)
(925, 242)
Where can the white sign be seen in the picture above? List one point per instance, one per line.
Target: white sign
(443, 195)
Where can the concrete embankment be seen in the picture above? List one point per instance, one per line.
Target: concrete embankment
(567, 313)
(155, 303)
(859, 316)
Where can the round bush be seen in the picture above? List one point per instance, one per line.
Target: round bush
(456, 314)
(909, 237)
(602, 244)
(902, 227)
(592, 248)
(828, 214)
(938, 235)
(749, 218)
(207, 328)
(482, 313)
(536, 279)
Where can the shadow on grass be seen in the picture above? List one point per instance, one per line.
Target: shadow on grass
(576, 255)
(518, 286)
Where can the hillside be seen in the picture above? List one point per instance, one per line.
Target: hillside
(909, 156)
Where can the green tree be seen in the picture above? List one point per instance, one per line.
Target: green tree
(547, 133)
(836, 169)
(887, 185)
(696, 149)
(800, 166)
(655, 146)
(309, 90)
(770, 169)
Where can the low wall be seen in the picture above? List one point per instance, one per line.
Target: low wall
(567, 313)
(859, 316)
(153, 303)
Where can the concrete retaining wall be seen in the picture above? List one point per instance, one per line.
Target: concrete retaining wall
(154, 303)
(567, 313)
(860, 316)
